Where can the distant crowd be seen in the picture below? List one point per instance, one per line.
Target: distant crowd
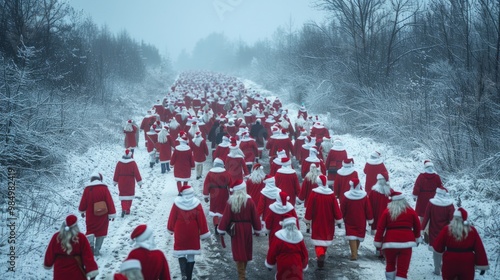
(265, 163)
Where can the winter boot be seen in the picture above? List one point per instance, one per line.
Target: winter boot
(321, 261)
(151, 164)
(437, 262)
(308, 228)
(98, 244)
(189, 270)
(216, 232)
(91, 239)
(390, 275)
(240, 266)
(183, 266)
(163, 167)
(168, 166)
(354, 250)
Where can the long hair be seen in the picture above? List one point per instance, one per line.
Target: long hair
(292, 232)
(162, 136)
(238, 200)
(313, 174)
(257, 176)
(66, 237)
(457, 229)
(397, 207)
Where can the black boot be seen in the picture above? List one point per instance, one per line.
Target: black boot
(183, 266)
(151, 164)
(216, 232)
(189, 270)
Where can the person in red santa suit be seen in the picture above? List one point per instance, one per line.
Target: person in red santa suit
(374, 166)
(146, 124)
(288, 252)
(279, 210)
(461, 247)
(287, 179)
(129, 269)
(222, 149)
(126, 175)
(130, 131)
(164, 147)
(152, 139)
(343, 177)
(216, 190)
(312, 158)
(309, 183)
(276, 163)
(159, 109)
(182, 118)
(325, 147)
(357, 211)
(379, 198)
(248, 146)
(193, 128)
(175, 129)
(425, 188)
(97, 219)
(153, 262)
(302, 112)
(333, 162)
(398, 230)
(322, 213)
(200, 153)
(240, 210)
(282, 142)
(235, 162)
(304, 150)
(297, 145)
(182, 161)
(70, 254)
(255, 182)
(268, 196)
(188, 224)
(320, 131)
(438, 214)
(231, 128)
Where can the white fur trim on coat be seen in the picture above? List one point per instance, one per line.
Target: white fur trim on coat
(325, 243)
(286, 170)
(129, 197)
(271, 266)
(345, 171)
(217, 169)
(438, 201)
(177, 253)
(355, 194)
(205, 235)
(352, 237)
(323, 190)
(92, 274)
(278, 208)
(186, 205)
(126, 160)
(399, 245)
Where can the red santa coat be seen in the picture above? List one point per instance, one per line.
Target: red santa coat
(245, 221)
(334, 160)
(297, 147)
(288, 181)
(182, 160)
(460, 258)
(231, 129)
(320, 131)
(130, 140)
(154, 265)
(165, 149)
(304, 152)
(236, 167)
(160, 110)
(200, 149)
(96, 191)
(126, 175)
(65, 266)
(282, 142)
(378, 201)
(221, 151)
(403, 232)
(274, 165)
(357, 211)
(425, 189)
(306, 165)
(249, 148)
(215, 187)
(323, 213)
(268, 197)
(289, 256)
(438, 214)
(254, 189)
(188, 224)
(276, 215)
(372, 169)
(342, 179)
(305, 191)
(146, 124)
(152, 139)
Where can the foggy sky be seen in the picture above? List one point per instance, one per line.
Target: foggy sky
(173, 25)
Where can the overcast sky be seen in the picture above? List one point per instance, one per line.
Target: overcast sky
(174, 25)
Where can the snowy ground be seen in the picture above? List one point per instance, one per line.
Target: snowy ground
(155, 200)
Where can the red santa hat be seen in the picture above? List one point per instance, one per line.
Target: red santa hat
(197, 133)
(288, 219)
(355, 184)
(194, 123)
(95, 176)
(461, 213)
(129, 121)
(238, 185)
(141, 233)
(396, 196)
(183, 135)
(428, 163)
(348, 162)
(441, 190)
(70, 221)
(283, 198)
(375, 155)
(127, 152)
(130, 264)
(186, 190)
(284, 131)
(384, 175)
(285, 161)
(322, 180)
(257, 166)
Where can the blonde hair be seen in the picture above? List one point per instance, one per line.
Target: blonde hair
(397, 207)
(238, 200)
(457, 229)
(66, 237)
(313, 174)
(257, 176)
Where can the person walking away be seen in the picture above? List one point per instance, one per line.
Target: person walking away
(216, 190)
(164, 147)
(69, 253)
(287, 179)
(322, 213)
(200, 153)
(379, 198)
(153, 262)
(129, 270)
(98, 208)
(309, 183)
(279, 209)
(255, 182)
(188, 224)
(288, 252)
(182, 160)
(235, 162)
(398, 230)
(462, 248)
(126, 175)
(374, 166)
(438, 214)
(240, 210)
(343, 177)
(130, 131)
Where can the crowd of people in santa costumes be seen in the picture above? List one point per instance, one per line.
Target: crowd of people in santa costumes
(307, 168)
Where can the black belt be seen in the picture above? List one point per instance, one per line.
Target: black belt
(459, 250)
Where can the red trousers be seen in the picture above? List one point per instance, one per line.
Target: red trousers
(398, 259)
(320, 250)
(126, 204)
